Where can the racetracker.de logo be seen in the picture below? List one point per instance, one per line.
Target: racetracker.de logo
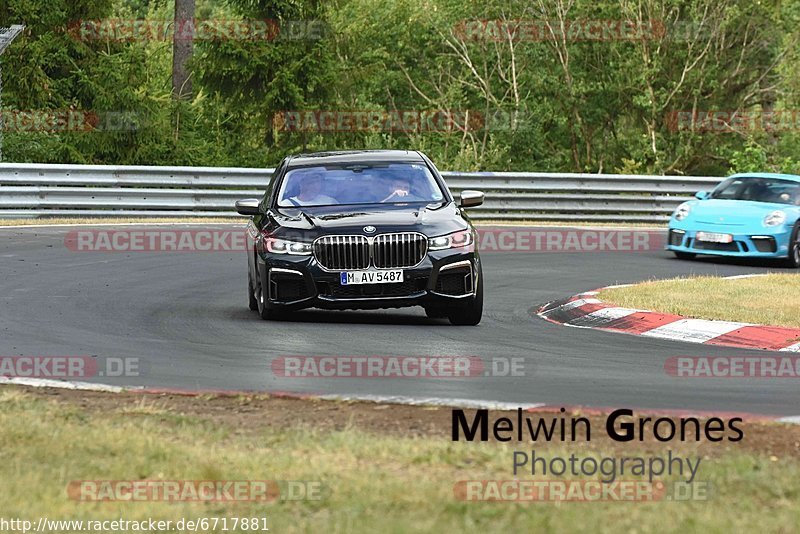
(533, 30)
(156, 240)
(505, 239)
(490, 239)
(733, 121)
(210, 491)
(523, 490)
(127, 30)
(70, 120)
(733, 366)
(66, 367)
(395, 367)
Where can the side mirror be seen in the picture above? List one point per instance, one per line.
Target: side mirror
(701, 195)
(248, 206)
(471, 198)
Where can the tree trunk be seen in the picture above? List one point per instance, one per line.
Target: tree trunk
(182, 45)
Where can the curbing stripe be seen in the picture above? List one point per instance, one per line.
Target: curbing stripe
(694, 330)
(759, 337)
(602, 317)
(585, 310)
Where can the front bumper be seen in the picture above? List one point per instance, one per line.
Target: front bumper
(442, 279)
(767, 243)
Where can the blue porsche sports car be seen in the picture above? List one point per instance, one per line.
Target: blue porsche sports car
(753, 215)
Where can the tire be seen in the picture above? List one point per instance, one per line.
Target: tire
(685, 255)
(251, 292)
(470, 312)
(793, 258)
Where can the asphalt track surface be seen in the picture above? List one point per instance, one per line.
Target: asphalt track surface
(185, 315)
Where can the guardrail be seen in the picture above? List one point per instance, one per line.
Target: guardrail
(35, 190)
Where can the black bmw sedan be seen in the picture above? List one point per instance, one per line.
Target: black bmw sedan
(362, 230)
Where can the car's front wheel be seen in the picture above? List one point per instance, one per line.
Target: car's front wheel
(469, 313)
(794, 248)
(252, 301)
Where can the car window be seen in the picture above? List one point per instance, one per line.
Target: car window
(363, 183)
(757, 189)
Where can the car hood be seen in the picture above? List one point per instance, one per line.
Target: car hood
(733, 212)
(429, 219)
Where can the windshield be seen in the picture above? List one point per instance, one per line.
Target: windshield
(759, 190)
(379, 183)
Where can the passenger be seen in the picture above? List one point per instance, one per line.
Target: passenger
(311, 193)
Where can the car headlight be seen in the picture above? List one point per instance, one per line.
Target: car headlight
(460, 239)
(284, 246)
(682, 211)
(775, 218)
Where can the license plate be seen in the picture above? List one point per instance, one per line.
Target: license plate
(712, 237)
(349, 278)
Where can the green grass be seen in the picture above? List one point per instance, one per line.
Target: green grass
(372, 483)
(773, 299)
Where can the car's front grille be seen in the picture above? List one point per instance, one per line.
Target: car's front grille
(391, 251)
(718, 247)
(342, 252)
(387, 251)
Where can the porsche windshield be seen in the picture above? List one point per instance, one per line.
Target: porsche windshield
(384, 183)
(759, 190)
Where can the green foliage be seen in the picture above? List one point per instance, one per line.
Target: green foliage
(576, 105)
(752, 158)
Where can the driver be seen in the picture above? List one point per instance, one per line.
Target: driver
(400, 191)
(311, 192)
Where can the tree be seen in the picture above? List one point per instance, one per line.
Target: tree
(182, 47)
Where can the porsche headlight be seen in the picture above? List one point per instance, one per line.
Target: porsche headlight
(682, 212)
(775, 218)
(459, 239)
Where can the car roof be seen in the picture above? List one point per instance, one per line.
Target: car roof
(777, 176)
(355, 156)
